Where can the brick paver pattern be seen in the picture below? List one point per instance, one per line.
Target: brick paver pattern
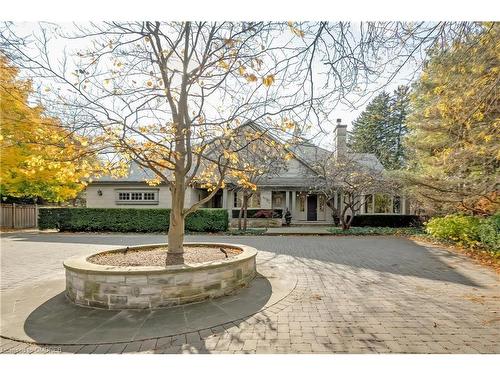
(354, 295)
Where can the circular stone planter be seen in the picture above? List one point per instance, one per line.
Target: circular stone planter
(145, 287)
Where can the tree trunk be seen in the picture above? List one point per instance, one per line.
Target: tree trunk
(240, 215)
(176, 227)
(245, 208)
(330, 202)
(345, 224)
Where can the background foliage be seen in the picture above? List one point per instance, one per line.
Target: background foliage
(381, 127)
(39, 157)
(455, 127)
(468, 231)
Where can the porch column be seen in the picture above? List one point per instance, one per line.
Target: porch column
(224, 198)
(294, 206)
(287, 201)
(225, 202)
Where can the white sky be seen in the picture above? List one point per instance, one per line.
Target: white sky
(343, 111)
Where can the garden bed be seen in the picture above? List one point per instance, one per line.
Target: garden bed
(115, 286)
(375, 231)
(160, 257)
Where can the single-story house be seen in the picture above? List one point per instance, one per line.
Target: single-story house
(289, 190)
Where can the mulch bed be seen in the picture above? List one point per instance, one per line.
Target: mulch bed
(159, 256)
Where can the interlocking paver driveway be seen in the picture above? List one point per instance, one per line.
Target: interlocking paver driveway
(355, 295)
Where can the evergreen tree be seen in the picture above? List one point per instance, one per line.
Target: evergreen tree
(381, 127)
(400, 107)
(455, 128)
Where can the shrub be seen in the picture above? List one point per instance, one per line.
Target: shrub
(393, 221)
(259, 213)
(128, 220)
(207, 220)
(489, 232)
(468, 231)
(380, 231)
(267, 214)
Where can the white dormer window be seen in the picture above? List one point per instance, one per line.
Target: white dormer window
(136, 196)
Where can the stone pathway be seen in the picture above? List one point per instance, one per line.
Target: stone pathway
(354, 295)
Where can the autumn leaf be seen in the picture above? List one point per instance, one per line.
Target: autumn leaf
(295, 30)
(40, 158)
(229, 42)
(223, 64)
(268, 80)
(251, 78)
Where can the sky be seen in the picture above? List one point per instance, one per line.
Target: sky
(348, 113)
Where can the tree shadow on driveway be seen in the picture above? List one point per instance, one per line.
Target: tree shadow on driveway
(388, 254)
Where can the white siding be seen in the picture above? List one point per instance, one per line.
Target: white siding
(108, 197)
(266, 199)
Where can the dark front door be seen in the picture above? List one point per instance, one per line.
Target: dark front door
(217, 200)
(312, 207)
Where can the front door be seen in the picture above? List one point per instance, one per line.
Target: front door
(312, 207)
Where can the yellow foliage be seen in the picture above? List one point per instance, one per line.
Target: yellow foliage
(295, 30)
(251, 78)
(38, 157)
(268, 80)
(454, 133)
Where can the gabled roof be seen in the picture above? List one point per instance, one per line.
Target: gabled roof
(136, 173)
(307, 153)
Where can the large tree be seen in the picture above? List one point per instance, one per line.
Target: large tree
(455, 127)
(39, 157)
(166, 94)
(381, 127)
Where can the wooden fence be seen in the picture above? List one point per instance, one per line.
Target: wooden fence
(18, 216)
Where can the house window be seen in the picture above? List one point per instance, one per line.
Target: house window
(123, 196)
(369, 204)
(253, 201)
(302, 202)
(321, 204)
(396, 204)
(149, 196)
(382, 204)
(137, 197)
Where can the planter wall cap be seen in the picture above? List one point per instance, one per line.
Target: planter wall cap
(82, 265)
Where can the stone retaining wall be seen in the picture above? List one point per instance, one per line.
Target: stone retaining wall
(114, 287)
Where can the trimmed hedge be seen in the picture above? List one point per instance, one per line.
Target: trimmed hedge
(128, 220)
(468, 231)
(392, 221)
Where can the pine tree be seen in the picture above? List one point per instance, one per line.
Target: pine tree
(381, 127)
(455, 128)
(400, 107)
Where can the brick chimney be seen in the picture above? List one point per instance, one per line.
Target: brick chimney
(340, 135)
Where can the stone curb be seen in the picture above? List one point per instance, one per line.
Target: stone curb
(82, 265)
